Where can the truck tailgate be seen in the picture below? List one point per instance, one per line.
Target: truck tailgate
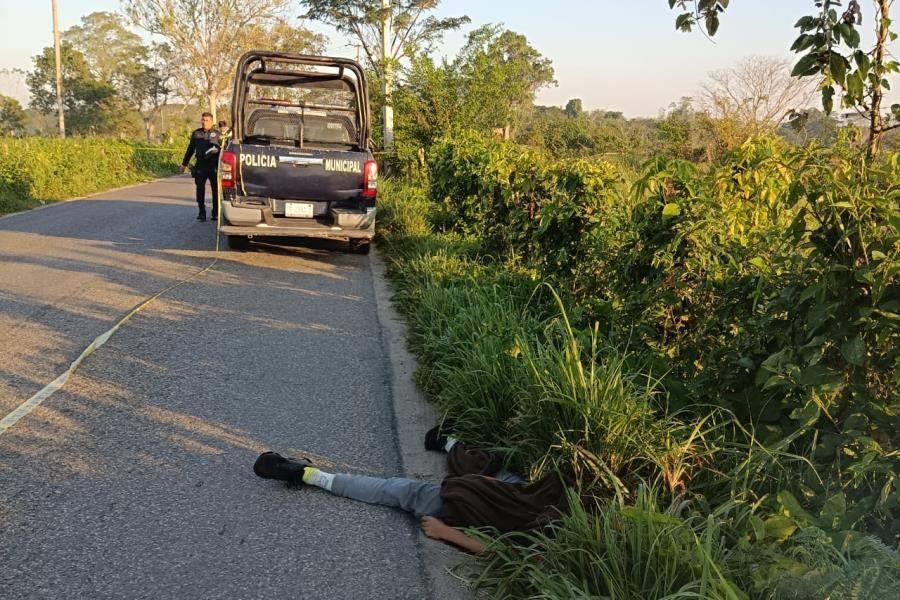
(285, 173)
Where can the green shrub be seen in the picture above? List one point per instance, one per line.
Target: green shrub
(732, 343)
(37, 170)
(765, 284)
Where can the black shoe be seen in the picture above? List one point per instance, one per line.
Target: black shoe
(271, 465)
(435, 439)
(214, 218)
(201, 217)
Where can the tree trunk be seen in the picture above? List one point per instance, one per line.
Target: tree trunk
(212, 99)
(876, 121)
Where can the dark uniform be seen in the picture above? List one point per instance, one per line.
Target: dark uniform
(205, 145)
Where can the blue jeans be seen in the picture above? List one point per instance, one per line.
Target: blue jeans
(416, 497)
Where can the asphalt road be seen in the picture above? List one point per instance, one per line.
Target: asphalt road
(135, 480)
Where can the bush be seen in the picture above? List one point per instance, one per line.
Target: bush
(37, 170)
(766, 284)
(731, 346)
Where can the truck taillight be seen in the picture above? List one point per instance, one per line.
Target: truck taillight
(229, 167)
(370, 179)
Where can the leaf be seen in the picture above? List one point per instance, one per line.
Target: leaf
(792, 507)
(759, 528)
(760, 263)
(780, 527)
(712, 23)
(670, 210)
(807, 65)
(854, 351)
(862, 62)
(808, 415)
(684, 22)
(833, 509)
(838, 66)
(806, 23)
(819, 375)
(851, 36)
(854, 85)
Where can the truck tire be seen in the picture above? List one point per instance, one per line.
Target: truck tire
(360, 246)
(238, 242)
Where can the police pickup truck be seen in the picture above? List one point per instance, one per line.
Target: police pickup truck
(298, 163)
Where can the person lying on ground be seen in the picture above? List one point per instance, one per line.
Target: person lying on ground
(477, 494)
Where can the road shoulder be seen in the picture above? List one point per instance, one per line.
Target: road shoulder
(414, 415)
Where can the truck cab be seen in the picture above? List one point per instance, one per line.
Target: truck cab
(299, 162)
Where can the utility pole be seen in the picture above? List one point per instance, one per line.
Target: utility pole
(388, 69)
(59, 79)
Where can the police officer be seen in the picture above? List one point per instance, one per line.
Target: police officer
(224, 129)
(205, 145)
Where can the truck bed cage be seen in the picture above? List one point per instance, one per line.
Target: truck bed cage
(348, 71)
(304, 105)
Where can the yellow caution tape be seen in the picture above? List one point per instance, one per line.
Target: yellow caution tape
(29, 405)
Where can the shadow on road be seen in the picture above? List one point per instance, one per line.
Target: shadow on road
(135, 479)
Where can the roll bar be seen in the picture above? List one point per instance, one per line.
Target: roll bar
(357, 82)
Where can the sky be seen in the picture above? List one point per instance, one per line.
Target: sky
(621, 55)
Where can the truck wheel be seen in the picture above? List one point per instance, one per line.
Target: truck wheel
(238, 242)
(360, 246)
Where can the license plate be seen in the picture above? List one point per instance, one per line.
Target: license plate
(303, 210)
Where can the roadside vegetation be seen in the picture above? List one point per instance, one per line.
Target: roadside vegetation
(34, 170)
(697, 318)
(710, 350)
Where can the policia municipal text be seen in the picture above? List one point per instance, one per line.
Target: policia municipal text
(205, 145)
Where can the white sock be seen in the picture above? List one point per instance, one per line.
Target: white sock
(450, 443)
(313, 476)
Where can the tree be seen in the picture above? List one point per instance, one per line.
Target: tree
(281, 36)
(502, 72)
(574, 107)
(139, 74)
(388, 31)
(91, 105)
(12, 116)
(829, 47)
(490, 85)
(752, 98)
(815, 125)
(687, 133)
(205, 38)
(147, 90)
(559, 131)
(109, 49)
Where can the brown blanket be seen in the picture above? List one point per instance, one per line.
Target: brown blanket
(471, 498)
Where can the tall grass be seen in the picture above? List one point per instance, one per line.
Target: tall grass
(672, 504)
(38, 170)
(618, 550)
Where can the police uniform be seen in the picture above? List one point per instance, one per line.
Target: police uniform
(205, 146)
